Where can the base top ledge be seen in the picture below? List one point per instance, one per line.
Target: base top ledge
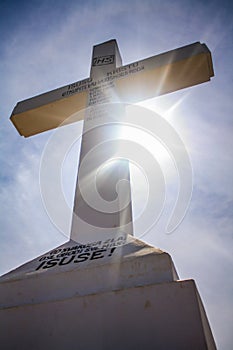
(73, 256)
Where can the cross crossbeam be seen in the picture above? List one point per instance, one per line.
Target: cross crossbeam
(134, 82)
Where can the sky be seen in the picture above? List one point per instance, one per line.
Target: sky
(48, 44)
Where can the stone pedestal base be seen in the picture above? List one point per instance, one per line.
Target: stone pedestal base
(76, 310)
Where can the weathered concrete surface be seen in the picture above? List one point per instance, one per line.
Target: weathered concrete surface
(160, 316)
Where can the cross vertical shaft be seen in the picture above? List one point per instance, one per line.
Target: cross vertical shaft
(102, 172)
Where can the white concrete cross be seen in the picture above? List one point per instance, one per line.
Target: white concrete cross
(109, 82)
